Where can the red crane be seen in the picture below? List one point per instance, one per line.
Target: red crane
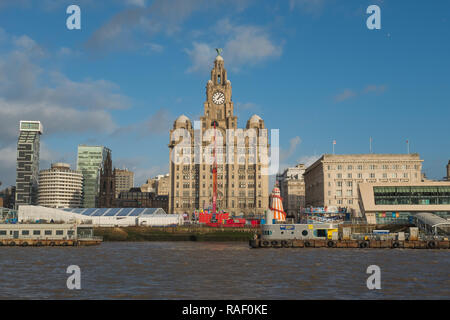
(214, 174)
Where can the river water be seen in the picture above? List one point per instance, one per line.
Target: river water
(195, 270)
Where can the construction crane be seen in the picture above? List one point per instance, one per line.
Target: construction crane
(214, 174)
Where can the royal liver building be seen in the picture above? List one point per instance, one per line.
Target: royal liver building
(239, 156)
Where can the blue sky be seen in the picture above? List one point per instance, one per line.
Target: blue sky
(310, 68)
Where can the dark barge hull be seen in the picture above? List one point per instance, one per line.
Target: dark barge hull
(47, 243)
(363, 244)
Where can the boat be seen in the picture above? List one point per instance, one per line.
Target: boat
(47, 234)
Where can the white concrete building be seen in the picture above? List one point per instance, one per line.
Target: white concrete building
(60, 187)
(101, 217)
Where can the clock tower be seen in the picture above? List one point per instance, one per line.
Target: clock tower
(219, 105)
(241, 188)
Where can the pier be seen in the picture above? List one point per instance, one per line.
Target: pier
(362, 244)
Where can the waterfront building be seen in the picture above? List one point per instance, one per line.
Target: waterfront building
(7, 197)
(124, 180)
(399, 202)
(101, 217)
(292, 188)
(60, 187)
(137, 198)
(242, 189)
(160, 185)
(107, 192)
(333, 179)
(448, 171)
(89, 161)
(27, 178)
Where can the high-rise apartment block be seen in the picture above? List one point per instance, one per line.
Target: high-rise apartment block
(60, 187)
(27, 166)
(333, 179)
(292, 187)
(90, 161)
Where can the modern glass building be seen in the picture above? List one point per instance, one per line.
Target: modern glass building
(90, 161)
(27, 165)
(412, 195)
(393, 203)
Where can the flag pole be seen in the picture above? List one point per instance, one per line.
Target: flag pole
(370, 144)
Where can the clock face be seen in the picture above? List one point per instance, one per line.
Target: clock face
(218, 97)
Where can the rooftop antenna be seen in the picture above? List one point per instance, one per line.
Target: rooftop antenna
(370, 144)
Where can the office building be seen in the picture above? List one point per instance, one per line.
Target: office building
(160, 185)
(137, 198)
(8, 196)
(28, 163)
(60, 187)
(292, 188)
(333, 179)
(400, 202)
(242, 189)
(448, 171)
(124, 180)
(90, 161)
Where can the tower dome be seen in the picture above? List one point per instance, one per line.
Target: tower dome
(255, 119)
(182, 121)
(254, 122)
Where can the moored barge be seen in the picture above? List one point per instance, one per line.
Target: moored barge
(39, 235)
(327, 236)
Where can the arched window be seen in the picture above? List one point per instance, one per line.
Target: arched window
(218, 79)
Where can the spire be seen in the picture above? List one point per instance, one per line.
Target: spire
(218, 73)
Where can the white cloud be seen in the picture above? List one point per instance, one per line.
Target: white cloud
(29, 91)
(349, 94)
(244, 45)
(345, 95)
(138, 3)
(201, 56)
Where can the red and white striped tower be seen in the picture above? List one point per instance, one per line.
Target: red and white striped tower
(277, 205)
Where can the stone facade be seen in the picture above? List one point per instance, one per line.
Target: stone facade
(159, 185)
(292, 187)
(124, 180)
(333, 179)
(242, 189)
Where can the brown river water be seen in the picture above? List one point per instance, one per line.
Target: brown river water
(231, 271)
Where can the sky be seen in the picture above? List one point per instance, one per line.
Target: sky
(310, 68)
